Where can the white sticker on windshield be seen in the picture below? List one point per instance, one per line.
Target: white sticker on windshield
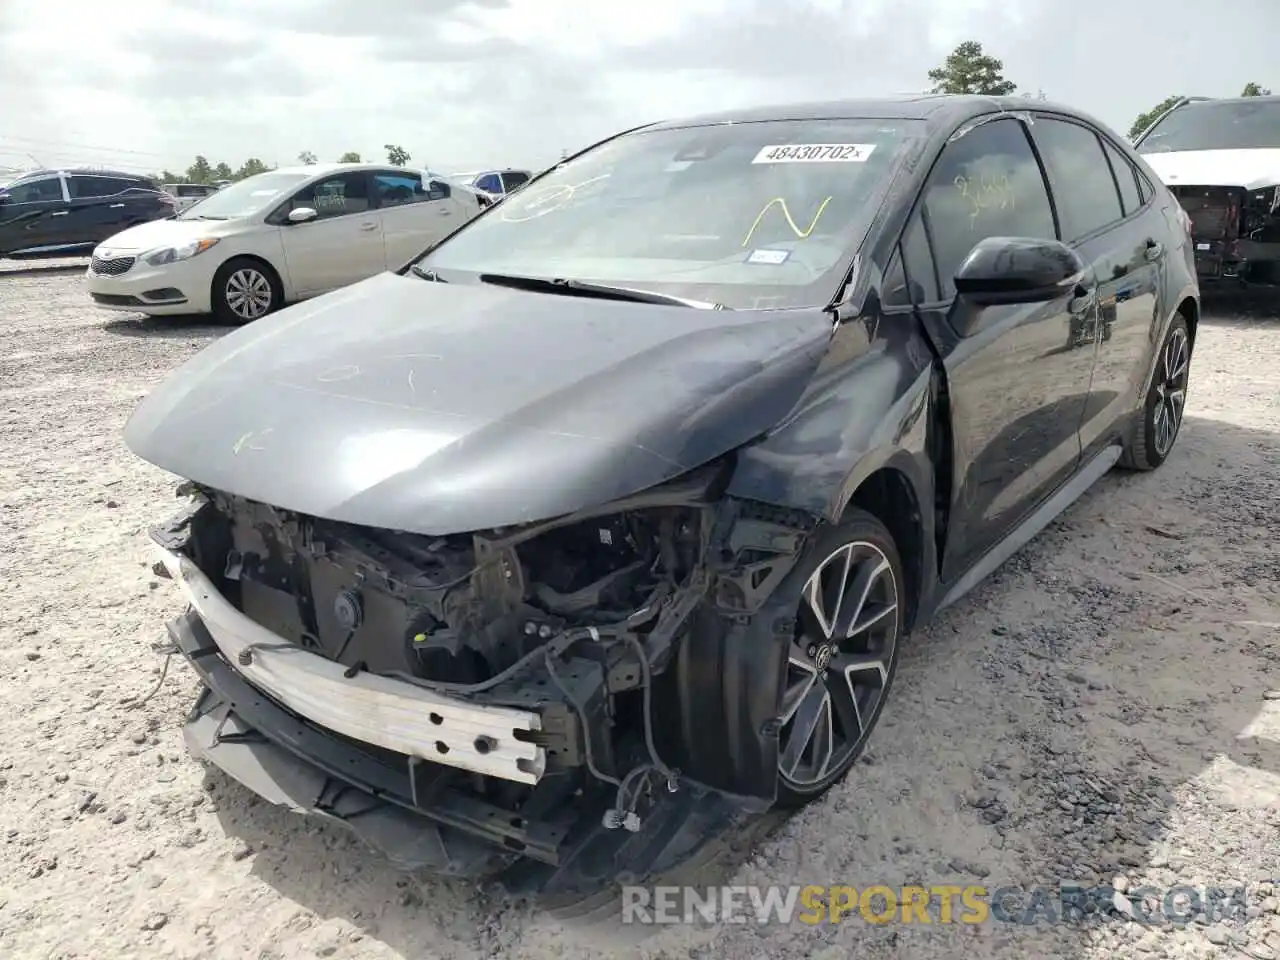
(815, 153)
(774, 257)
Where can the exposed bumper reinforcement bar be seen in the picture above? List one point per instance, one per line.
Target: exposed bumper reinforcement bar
(563, 852)
(382, 711)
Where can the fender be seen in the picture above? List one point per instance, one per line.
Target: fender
(867, 407)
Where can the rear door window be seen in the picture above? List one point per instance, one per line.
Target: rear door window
(1126, 178)
(1083, 188)
(86, 187)
(397, 189)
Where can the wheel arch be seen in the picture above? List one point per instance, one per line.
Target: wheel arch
(889, 495)
(276, 274)
(1189, 307)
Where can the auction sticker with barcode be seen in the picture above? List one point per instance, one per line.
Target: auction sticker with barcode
(815, 153)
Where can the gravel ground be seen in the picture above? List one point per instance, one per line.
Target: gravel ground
(1105, 707)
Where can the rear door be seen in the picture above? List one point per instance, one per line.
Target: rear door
(342, 244)
(33, 214)
(1105, 217)
(1016, 395)
(102, 206)
(414, 215)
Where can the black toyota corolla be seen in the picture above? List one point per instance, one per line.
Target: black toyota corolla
(596, 530)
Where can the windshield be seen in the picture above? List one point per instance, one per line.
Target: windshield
(245, 198)
(751, 215)
(1231, 125)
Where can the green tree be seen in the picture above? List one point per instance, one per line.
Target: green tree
(200, 171)
(222, 171)
(1251, 89)
(968, 70)
(307, 157)
(397, 155)
(1145, 120)
(250, 167)
(349, 157)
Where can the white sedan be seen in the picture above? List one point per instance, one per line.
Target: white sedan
(275, 238)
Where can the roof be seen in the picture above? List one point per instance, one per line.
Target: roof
(1193, 100)
(933, 107)
(82, 171)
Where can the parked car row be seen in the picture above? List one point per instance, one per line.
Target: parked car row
(275, 238)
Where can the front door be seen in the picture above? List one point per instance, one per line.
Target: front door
(33, 214)
(1016, 395)
(342, 245)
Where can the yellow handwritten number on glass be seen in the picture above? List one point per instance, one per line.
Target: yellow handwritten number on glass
(802, 234)
(988, 192)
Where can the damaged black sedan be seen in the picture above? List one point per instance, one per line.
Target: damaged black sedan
(596, 531)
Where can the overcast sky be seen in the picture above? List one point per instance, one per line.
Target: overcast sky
(146, 84)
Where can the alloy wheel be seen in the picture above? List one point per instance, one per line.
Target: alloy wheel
(248, 293)
(1171, 390)
(839, 663)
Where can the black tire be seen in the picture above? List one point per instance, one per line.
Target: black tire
(1162, 408)
(258, 284)
(868, 647)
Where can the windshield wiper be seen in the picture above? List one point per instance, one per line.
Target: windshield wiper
(602, 290)
(425, 274)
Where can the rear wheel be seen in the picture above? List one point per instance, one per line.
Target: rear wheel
(841, 663)
(245, 289)
(1166, 398)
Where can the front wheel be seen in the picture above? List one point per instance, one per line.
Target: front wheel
(841, 663)
(244, 290)
(1161, 415)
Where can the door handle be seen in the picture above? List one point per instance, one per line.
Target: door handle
(445, 211)
(59, 213)
(368, 226)
(1155, 249)
(116, 206)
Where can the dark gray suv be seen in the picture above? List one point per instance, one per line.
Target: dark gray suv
(58, 213)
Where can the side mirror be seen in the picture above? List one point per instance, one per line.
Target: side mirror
(1018, 270)
(301, 215)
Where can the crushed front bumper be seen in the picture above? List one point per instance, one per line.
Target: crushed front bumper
(389, 713)
(556, 846)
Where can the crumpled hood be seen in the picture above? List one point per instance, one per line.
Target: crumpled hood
(440, 408)
(1250, 169)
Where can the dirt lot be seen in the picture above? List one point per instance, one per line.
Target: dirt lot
(1105, 707)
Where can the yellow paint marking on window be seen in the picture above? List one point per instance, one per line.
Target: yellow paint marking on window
(802, 234)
